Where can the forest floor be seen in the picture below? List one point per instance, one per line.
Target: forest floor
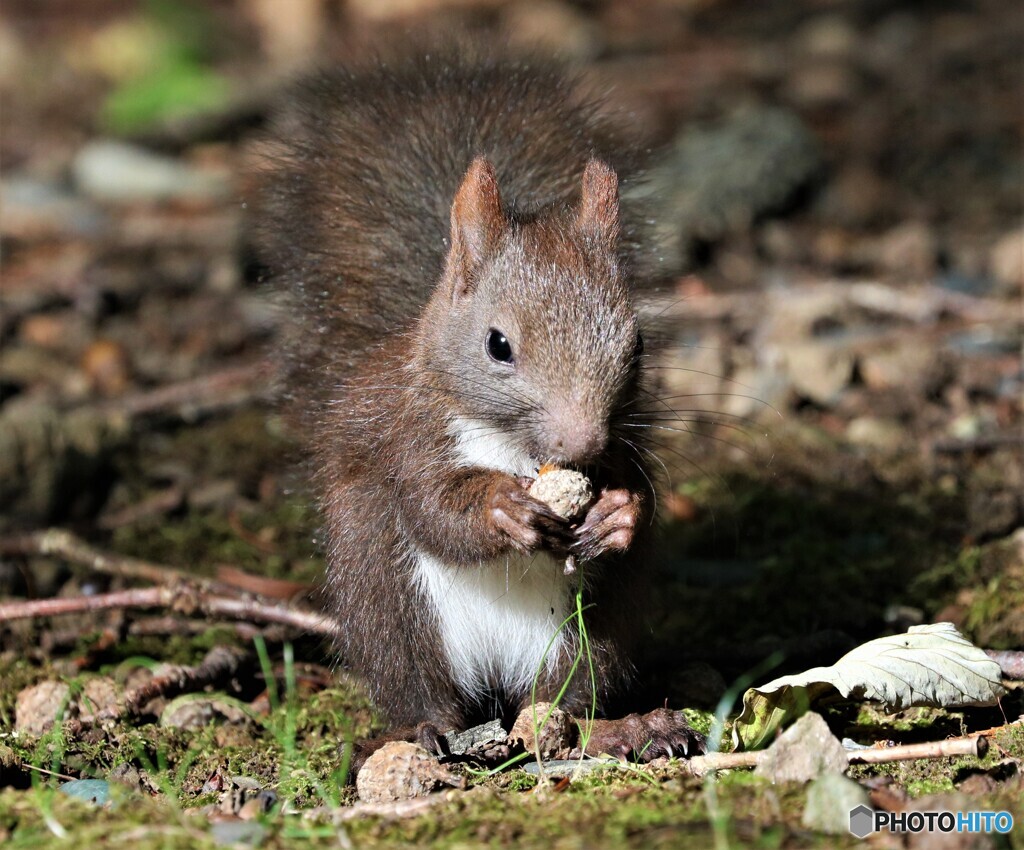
(843, 320)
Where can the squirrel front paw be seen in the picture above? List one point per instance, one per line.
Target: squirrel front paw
(610, 524)
(527, 524)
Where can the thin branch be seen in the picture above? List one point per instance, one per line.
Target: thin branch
(220, 663)
(226, 388)
(184, 597)
(971, 746)
(63, 544)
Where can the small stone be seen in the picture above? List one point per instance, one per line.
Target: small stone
(399, 771)
(237, 832)
(37, 708)
(874, 433)
(194, 711)
(1006, 261)
(805, 751)
(98, 693)
(912, 367)
(116, 172)
(822, 83)
(460, 742)
(828, 36)
(909, 250)
(36, 210)
(818, 370)
(719, 178)
(95, 791)
(556, 737)
(829, 801)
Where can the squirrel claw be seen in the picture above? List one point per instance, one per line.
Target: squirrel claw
(528, 524)
(610, 524)
(645, 737)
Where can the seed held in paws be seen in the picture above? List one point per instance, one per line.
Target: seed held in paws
(567, 492)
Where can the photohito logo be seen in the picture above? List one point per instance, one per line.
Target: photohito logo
(864, 821)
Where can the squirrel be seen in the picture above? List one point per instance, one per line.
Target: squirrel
(450, 236)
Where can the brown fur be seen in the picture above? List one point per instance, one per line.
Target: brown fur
(414, 207)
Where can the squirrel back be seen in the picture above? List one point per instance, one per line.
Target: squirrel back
(355, 226)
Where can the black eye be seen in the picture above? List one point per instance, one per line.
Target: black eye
(498, 346)
(638, 349)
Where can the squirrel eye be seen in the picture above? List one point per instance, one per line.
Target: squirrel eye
(498, 347)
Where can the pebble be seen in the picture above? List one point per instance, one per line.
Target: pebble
(805, 751)
(718, 178)
(918, 369)
(233, 833)
(460, 742)
(35, 210)
(909, 250)
(871, 432)
(194, 711)
(116, 172)
(818, 370)
(401, 770)
(1006, 261)
(828, 36)
(95, 791)
(820, 83)
(829, 801)
(37, 707)
(556, 737)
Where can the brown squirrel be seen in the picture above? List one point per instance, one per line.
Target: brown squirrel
(450, 233)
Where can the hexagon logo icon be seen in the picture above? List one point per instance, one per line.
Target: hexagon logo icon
(862, 821)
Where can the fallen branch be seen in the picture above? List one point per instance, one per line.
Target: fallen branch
(184, 597)
(975, 745)
(219, 390)
(220, 663)
(63, 544)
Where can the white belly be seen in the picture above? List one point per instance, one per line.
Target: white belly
(497, 619)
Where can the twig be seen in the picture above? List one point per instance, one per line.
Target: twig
(158, 504)
(184, 597)
(972, 746)
(723, 761)
(975, 745)
(63, 544)
(220, 663)
(215, 391)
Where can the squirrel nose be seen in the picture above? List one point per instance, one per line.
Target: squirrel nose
(574, 439)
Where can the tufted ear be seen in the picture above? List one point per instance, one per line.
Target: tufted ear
(598, 212)
(477, 224)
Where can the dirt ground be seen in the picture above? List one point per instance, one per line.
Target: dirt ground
(838, 191)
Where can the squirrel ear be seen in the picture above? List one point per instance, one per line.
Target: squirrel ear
(477, 222)
(598, 212)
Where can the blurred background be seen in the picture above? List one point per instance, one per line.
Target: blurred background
(837, 189)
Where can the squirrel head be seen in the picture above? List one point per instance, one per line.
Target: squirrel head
(533, 330)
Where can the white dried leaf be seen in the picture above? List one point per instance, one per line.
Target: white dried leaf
(930, 665)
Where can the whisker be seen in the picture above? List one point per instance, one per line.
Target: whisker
(732, 426)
